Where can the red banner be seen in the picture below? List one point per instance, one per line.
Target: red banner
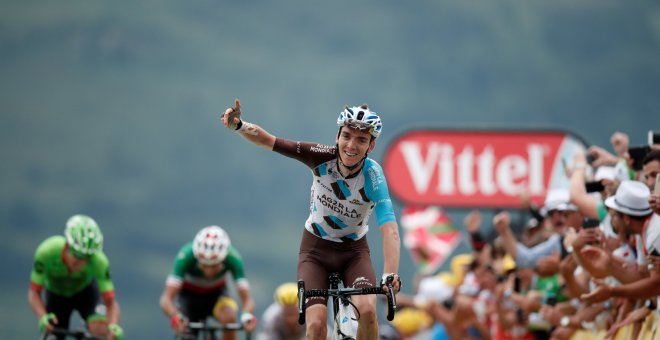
(477, 168)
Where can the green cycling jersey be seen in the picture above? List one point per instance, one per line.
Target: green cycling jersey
(50, 270)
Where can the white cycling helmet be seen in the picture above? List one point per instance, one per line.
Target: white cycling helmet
(83, 235)
(360, 117)
(211, 245)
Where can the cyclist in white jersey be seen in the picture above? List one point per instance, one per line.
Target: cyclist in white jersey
(347, 186)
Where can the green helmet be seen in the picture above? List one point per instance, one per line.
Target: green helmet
(83, 235)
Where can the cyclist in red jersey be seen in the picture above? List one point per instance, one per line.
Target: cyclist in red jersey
(347, 186)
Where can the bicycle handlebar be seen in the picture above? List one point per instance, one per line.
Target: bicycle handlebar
(338, 292)
(76, 334)
(206, 327)
(219, 327)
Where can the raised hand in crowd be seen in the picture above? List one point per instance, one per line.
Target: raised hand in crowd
(595, 261)
(601, 293)
(587, 237)
(501, 222)
(472, 222)
(620, 143)
(601, 156)
(576, 284)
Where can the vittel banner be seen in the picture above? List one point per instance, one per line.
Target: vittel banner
(477, 168)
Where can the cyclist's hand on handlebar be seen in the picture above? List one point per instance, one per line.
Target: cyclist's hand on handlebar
(396, 282)
(179, 323)
(47, 322)
(116, 332)
(249, 321)
(231, 118)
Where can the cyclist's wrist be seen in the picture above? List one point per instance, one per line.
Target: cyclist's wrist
(176, 319)
(395, 279)
(383, 279)
(239, 126)
(247, 317)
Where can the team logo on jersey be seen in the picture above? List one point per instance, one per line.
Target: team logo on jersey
(39, 267)
(355, 201)
(376, 177)
(337, 207)
(362, 281)
(320, 148)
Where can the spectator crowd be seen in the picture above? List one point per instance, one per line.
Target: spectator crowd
(584, 265)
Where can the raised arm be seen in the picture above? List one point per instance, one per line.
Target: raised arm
(587, 204)
(255, 134)
(502, 222)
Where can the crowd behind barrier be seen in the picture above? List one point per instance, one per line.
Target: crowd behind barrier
(584, 265)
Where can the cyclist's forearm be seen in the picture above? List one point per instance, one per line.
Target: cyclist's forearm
(257, 135)
(391, 247)
(167, 302)
(246, 299)
(113, 311)
(37, 305)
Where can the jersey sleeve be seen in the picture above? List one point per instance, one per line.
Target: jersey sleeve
(101, 268)
(311, 154)
(234, 263)
(527, 257)
(376, 190)
(38, 274)
(601, 210)
(180, 266)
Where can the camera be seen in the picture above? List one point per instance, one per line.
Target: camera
(594, 186)
(590, 158)
(637, 155)
(589, 223)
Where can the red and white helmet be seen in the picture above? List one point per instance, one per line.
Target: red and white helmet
(211, 245)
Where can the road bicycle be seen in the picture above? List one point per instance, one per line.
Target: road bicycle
(343, 308)
(211, 331)
(69, 334)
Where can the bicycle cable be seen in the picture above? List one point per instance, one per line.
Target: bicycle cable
(356, 312)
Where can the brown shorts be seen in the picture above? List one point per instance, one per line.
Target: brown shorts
(318, 258)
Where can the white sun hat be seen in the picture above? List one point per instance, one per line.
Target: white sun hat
(558, 199)
(631, 198)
